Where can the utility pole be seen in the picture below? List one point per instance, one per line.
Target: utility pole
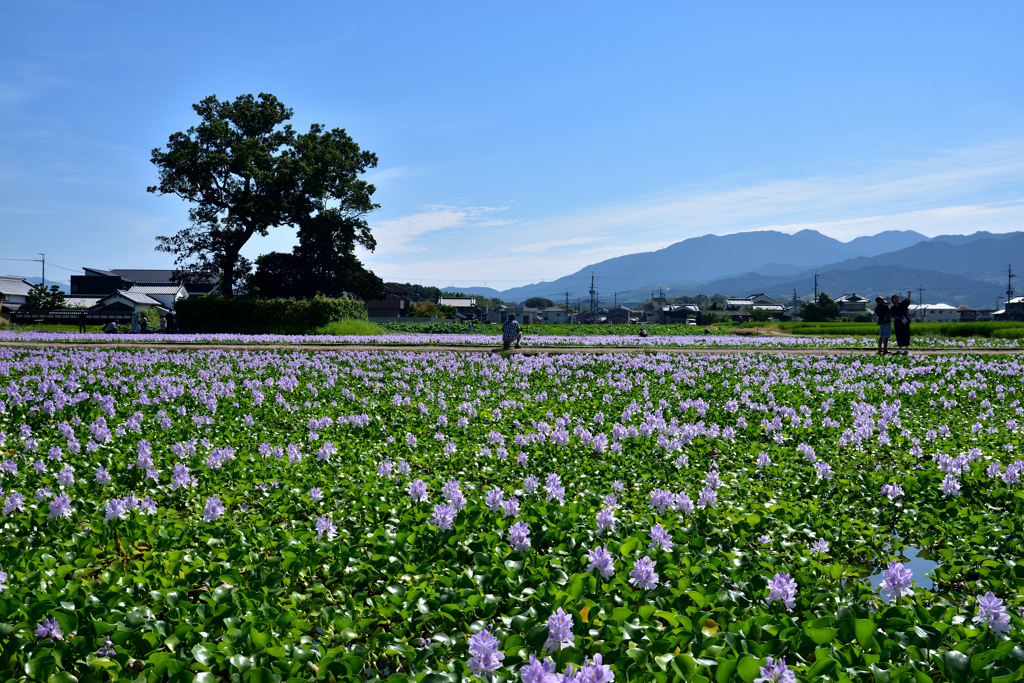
(815, 286)
(920, 295)
(43, 260)
(661, 296)
(1009, 282)
(567, 307)
(593, 306)
(616, 299)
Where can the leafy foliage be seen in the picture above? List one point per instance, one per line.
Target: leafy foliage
(822, 310)
(252, 316)
(538, 302)
(245, 171)
(40, 297)
(267, 590)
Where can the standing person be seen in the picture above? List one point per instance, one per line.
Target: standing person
(135, 322)
(511, 332)
(884, 315)
(81, 321)
(144, 324)
(900, 311)
(172, 322)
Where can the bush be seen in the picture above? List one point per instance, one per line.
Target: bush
(350, 327)
(266, 316)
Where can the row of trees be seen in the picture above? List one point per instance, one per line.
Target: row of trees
(245, 171)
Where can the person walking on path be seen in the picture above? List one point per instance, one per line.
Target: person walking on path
(884, 315)
(511, 332)
(81, 321)
(135, 322)
(900, 311)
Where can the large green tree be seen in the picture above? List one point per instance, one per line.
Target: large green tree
(822, 310)
(538, 302)
(40, 297)
(244, 170)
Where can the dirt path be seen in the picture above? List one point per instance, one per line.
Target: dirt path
(526, 351)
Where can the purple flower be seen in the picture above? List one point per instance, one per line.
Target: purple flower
(823, 469)
(510, 507)
(493, 499)
(660, 537)
(325, 527)
(214, 508)
(116, 509)
(712, 480)
(992, 612)
(606, 520)
(559, 631)
(782, 589)
(763, 460)
(530, 483)
(66, 477)
(553, 487)
(595, 671)
(708, 498)
(3, 581)
(107, 650)
(660, 499)
(444, 516)
(643, 574)
(896, 581)
(403, 467)
(384, 469)
(519, 536)
(417, 490)
(49, 628)
(950, 486)
(617, 486)
(485, 656)
(453, 493)
(684, 503)
(600, 559)
(775, 671)
(764, 538)
(536, 671)
(315, 494)
(60, 506)
(15, 501)
(820, 546)
(102, 477)
(892, 491)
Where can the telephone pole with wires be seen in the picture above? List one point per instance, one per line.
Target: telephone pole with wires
(1009, 282)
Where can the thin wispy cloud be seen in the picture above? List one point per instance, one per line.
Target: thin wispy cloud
(401, 235)
(960, 191)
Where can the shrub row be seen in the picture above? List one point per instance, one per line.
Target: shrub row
(260, 316)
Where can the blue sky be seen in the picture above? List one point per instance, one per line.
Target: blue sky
(520, 141)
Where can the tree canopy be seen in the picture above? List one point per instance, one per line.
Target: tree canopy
(822, 310)
(40, 297)
(538, 302)
(244, 170)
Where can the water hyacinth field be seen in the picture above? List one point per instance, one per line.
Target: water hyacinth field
(273, 515)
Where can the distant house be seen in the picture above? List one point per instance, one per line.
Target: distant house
(759, 301)
(123, 300)
(394, 302)
(1013, 310)
(98, 282)
(934, 313)
(852, 305)
(623, 315)
(967, 314)
(465, 307)
(13, 293)
(553, 316)
(168, 295)
(526, 315)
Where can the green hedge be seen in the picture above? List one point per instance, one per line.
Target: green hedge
(264, 316)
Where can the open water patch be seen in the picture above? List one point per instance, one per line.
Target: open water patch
(917, 561)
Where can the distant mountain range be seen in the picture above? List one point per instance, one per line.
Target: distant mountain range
(953, 269)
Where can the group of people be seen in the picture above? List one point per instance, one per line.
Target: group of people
(894, 317)
(139, 324)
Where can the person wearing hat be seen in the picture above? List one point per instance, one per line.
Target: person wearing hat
(884, 315)
(511, 332)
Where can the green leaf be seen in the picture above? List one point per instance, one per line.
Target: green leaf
(261, 675)
(576, 589)
(261, 640)
(749, 668)
(41, 666)
(822, 636)
(637, 655)
(865, 632)
(958, 667)
(822, 667)
(62, 677)
(724, 670)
